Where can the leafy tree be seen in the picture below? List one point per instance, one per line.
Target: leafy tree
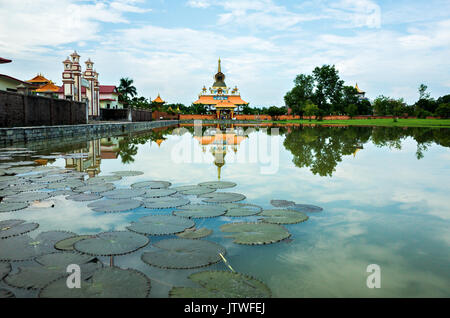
(275, 112)
(126, 90)
(423, 92)
(443, 110)
(311, 110)
(351, 110)
(302, 92)
(328, 91)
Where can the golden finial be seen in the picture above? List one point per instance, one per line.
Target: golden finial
(220, 68)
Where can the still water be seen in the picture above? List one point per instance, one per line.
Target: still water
(384, 194)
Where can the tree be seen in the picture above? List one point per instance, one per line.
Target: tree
(126, 90)
(275, 112)
(328, 91)
(443, 110)
(351, 110)
(302, 92)
(423, 92)
(311, 110)
(247, 110)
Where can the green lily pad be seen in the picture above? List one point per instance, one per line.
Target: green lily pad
(128, 173)
(108, 282)
(241, 209)
(95, 188)
(114, 205)
(151, 184)
(183, 254)
(160, 225)
(282, 216)
(8, 192)
(50, 179)
(218, 184)
(221, 284)
(158, 193)
(67, 184)
(222, 197)
(112, 243)
(124, 193)
(19, 170)
(4, 293)
(28, 187)
(62, 192)
(200, 211)
(194, 190)
(67, 244)
(306, 208)
(165, 203)
(103, 179)
(27, 197)
(11, 228)
(195, 233)
(84, 197)
(12, 206)
(255, 233)
(5, 268)
(282, 203)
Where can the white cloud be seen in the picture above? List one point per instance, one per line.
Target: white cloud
(356, 13)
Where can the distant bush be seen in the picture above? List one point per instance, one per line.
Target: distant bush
(443, 110)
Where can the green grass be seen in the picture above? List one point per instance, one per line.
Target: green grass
(441, 123)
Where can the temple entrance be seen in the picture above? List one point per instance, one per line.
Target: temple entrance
(225, 114)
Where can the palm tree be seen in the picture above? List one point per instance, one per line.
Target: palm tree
(126, 89)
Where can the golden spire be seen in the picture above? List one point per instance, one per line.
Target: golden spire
(220, 68)
(218, 171)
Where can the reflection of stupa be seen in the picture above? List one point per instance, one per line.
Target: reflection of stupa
(219, 142)
(358, 148)
(89, 159)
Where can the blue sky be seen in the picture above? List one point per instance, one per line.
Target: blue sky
(171, 47)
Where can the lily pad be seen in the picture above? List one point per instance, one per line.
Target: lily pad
(103, 179)
(4, 293)
(218, 184)
(114, 205)
(158, 193)
(50, 179)
(222, 197)
(62, 192)
(108, 282)
(241, 209)
(221, 284)
(67, 184)
(195, 233)
(8, 192)
(124, 193)
(160, 225)
(151, 184)
(128, 173)
(27, 197)
(282, 216)
(67, 244)
(29, 187)
(183, 254)
(165, 203)
(11, 228)
(200, 211)
(46, 241)
(5, 268)
(95, 188)
(12, 206)
(306, 208)
(255, 233)
(282, 203)
(84, 197)
(194, 190)
(19, 170)
(112, 243)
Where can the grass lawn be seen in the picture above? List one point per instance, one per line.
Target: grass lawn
(442, 123)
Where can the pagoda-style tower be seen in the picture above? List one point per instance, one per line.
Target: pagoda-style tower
(68, 79)
(90, 91)
(76, 71)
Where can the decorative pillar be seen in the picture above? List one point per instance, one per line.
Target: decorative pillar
(90, 91)
(76, 71)
(96, 95)
(68, 80)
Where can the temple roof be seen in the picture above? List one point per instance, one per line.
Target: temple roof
(158, 100)
(357, 88)
(209, 100)
(38, 79)
(49, 87)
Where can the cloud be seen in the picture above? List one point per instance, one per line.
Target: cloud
(355, 13)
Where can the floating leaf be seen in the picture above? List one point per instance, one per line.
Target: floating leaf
(124, 193)
(67, 184)
(218, 184)
(108, 282)
(222, 197)
(160, 225)
(281, 203)
(50, 179)
(183, 253)
(95, 188)
(241, 209)
(4, 293)
(221, 284)
(12, 206)
(151, 184)
(27, 197)
(103, 179)
(67, 244)
(62, 192)
(8, 192)
(19, 170)
(306, 208)
(5, 268)
(194, 190)
(11, 228)
(114, 205)
(128, 173)
(255, 233)
(28, 187)
(165, 203)
(18, 248)
(281, 216)
(46, 241)
(195, 233)
(200, 211)
(111, 243)
(84, 197)
(158, 193)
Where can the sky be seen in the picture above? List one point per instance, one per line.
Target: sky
(171, 47)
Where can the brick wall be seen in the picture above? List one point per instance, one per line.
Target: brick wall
(17, 110)
(156, 115)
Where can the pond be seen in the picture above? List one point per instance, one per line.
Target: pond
(371, 195)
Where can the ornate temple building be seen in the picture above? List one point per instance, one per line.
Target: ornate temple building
(219, 98)
(361, 94)
(78, 85)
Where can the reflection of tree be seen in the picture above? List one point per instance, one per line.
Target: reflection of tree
(127, 151)
(321, 148)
